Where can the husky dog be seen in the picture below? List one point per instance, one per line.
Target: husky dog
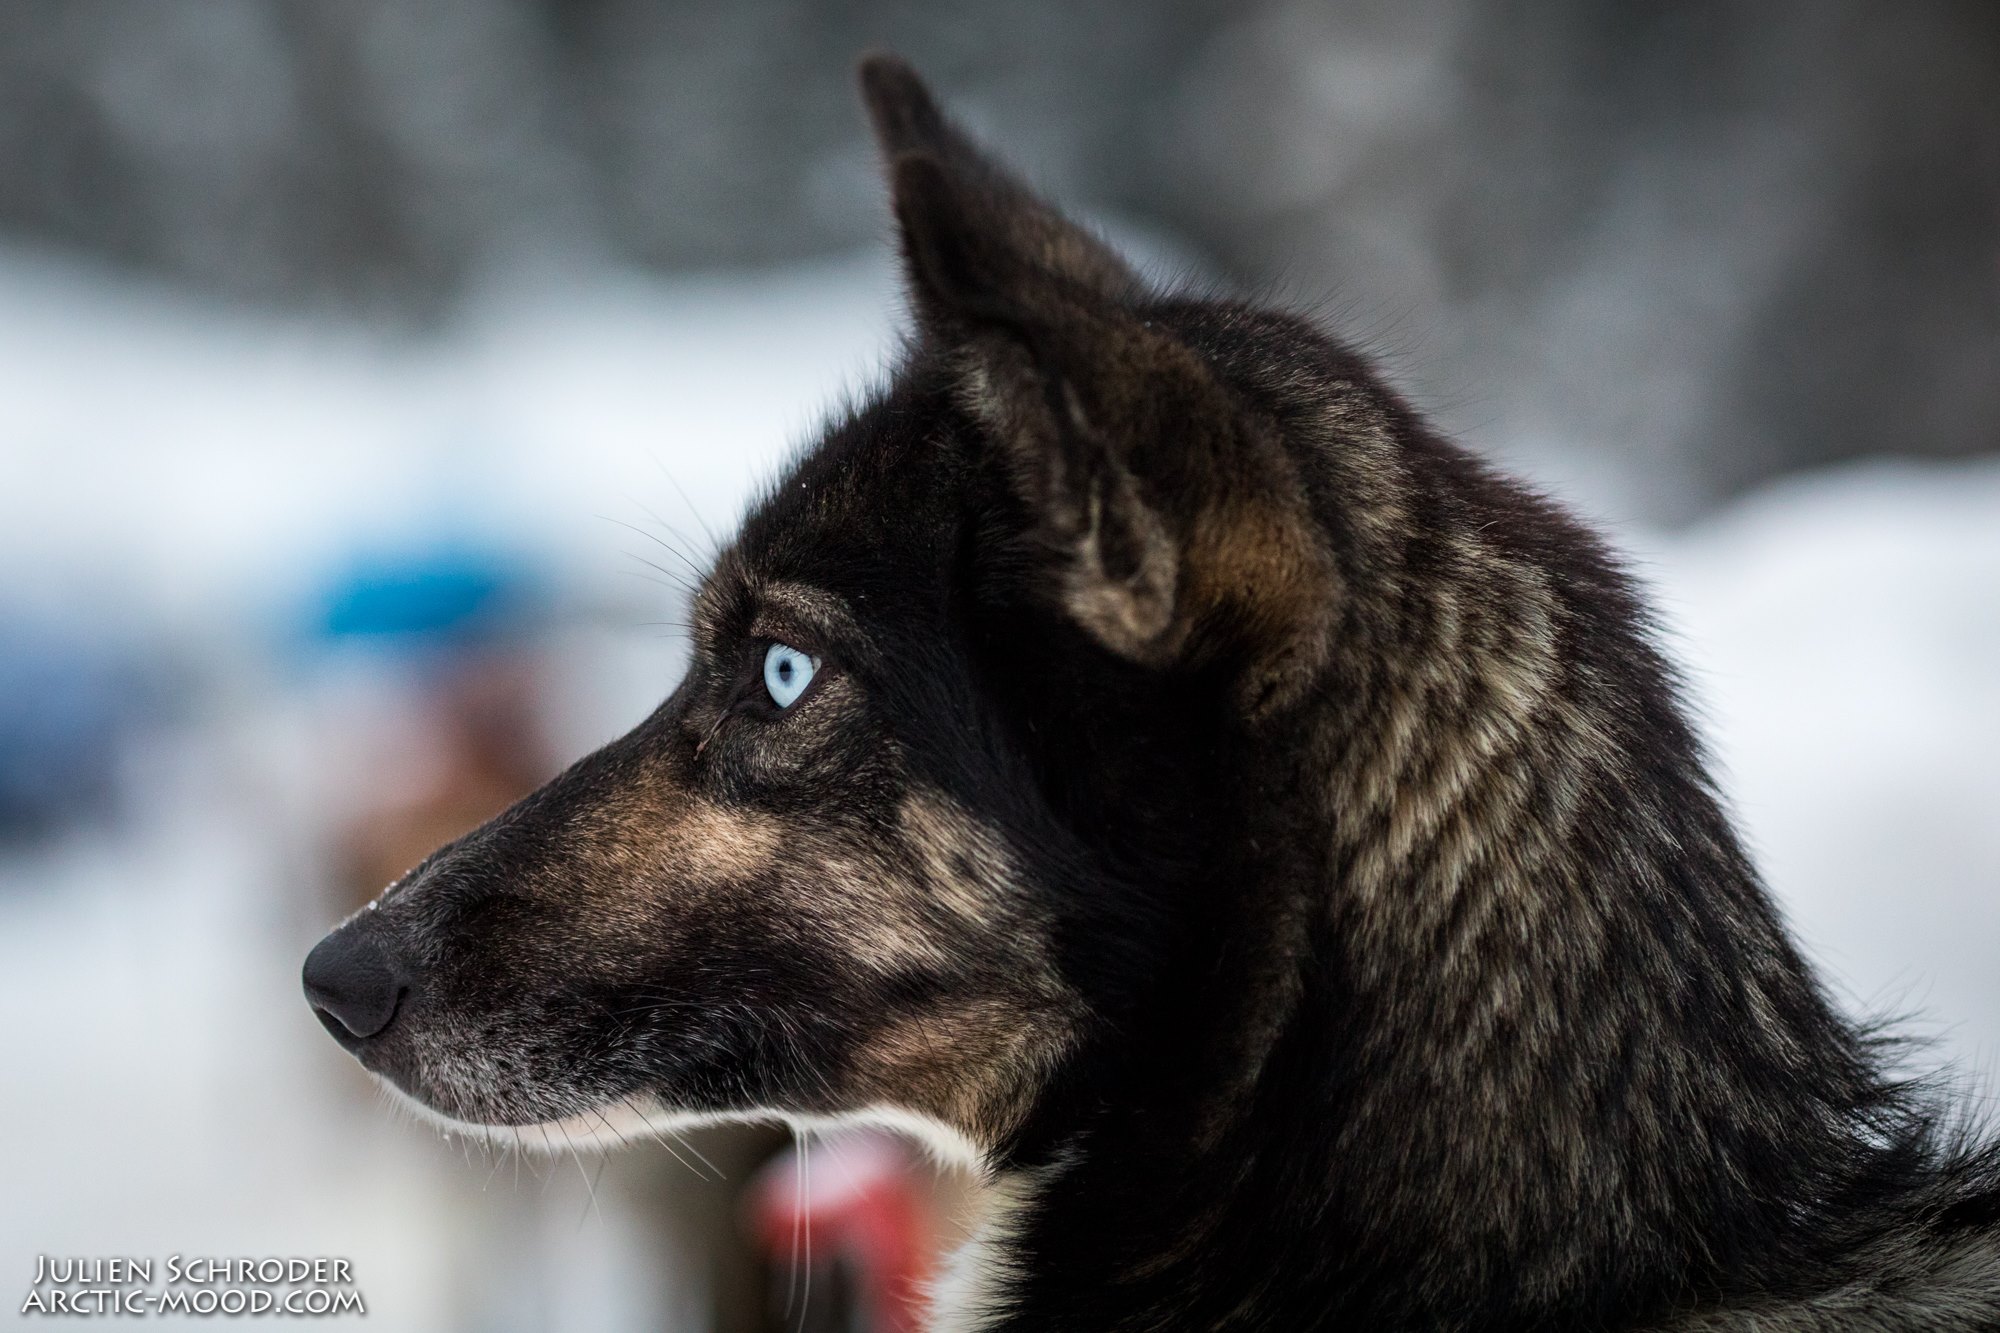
(1135, 753)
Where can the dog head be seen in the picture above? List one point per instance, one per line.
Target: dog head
(893, 845)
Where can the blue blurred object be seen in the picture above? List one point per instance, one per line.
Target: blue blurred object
(449, 596)
(66, 708)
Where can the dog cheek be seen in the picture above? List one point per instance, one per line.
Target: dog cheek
(971, 1046)
(974, 1063)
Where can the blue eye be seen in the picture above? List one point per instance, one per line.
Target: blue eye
(787, 672)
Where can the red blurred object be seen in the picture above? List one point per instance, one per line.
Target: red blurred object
(859, 1205)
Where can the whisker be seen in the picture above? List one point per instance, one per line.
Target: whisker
(805, 1213)
(798, 1218)
(714, 544)
(675, 580)
(662, 543)
(589, 1185)
(700, 1156)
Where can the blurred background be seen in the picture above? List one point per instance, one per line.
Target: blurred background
(374, 375)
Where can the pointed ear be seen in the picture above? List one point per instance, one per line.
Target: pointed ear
(1170, 522)
(1170, 518)
(953, 203)
(1023, 298)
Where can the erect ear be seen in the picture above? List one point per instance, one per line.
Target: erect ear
(1172, 519)
(1018, 235)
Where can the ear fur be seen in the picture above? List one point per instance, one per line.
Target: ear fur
(1139, 467)
(1117, 554)
(908, 126)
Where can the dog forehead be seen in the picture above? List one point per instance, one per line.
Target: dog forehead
(860, 515)
(746, 596)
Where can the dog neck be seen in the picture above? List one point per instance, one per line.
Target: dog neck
(1484, 1011)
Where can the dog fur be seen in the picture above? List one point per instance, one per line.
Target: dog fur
(1262, 838)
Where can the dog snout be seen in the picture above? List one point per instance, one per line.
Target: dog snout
(356, 982)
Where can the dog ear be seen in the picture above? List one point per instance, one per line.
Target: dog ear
(1017, 225)
(1009, 285)
(1166, 508)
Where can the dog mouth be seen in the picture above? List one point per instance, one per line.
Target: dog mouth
(610, 1123)
(456, 1073)
(645, 1118)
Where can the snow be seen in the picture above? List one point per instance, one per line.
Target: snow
(181, 474)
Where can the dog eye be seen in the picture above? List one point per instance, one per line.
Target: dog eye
(787, 672)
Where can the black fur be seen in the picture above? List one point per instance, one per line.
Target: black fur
(1267, 837)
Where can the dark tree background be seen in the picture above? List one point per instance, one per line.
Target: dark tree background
(1662, 249)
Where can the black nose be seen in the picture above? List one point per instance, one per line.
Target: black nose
(354, 983)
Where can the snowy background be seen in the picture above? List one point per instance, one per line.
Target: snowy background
(592, 318)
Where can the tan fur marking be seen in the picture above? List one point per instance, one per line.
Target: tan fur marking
(719, 844)
(964, 867)
(976, 1063)
(974, 1067)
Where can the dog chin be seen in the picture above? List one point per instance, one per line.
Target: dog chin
(613, 1122)
(645, 1118)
